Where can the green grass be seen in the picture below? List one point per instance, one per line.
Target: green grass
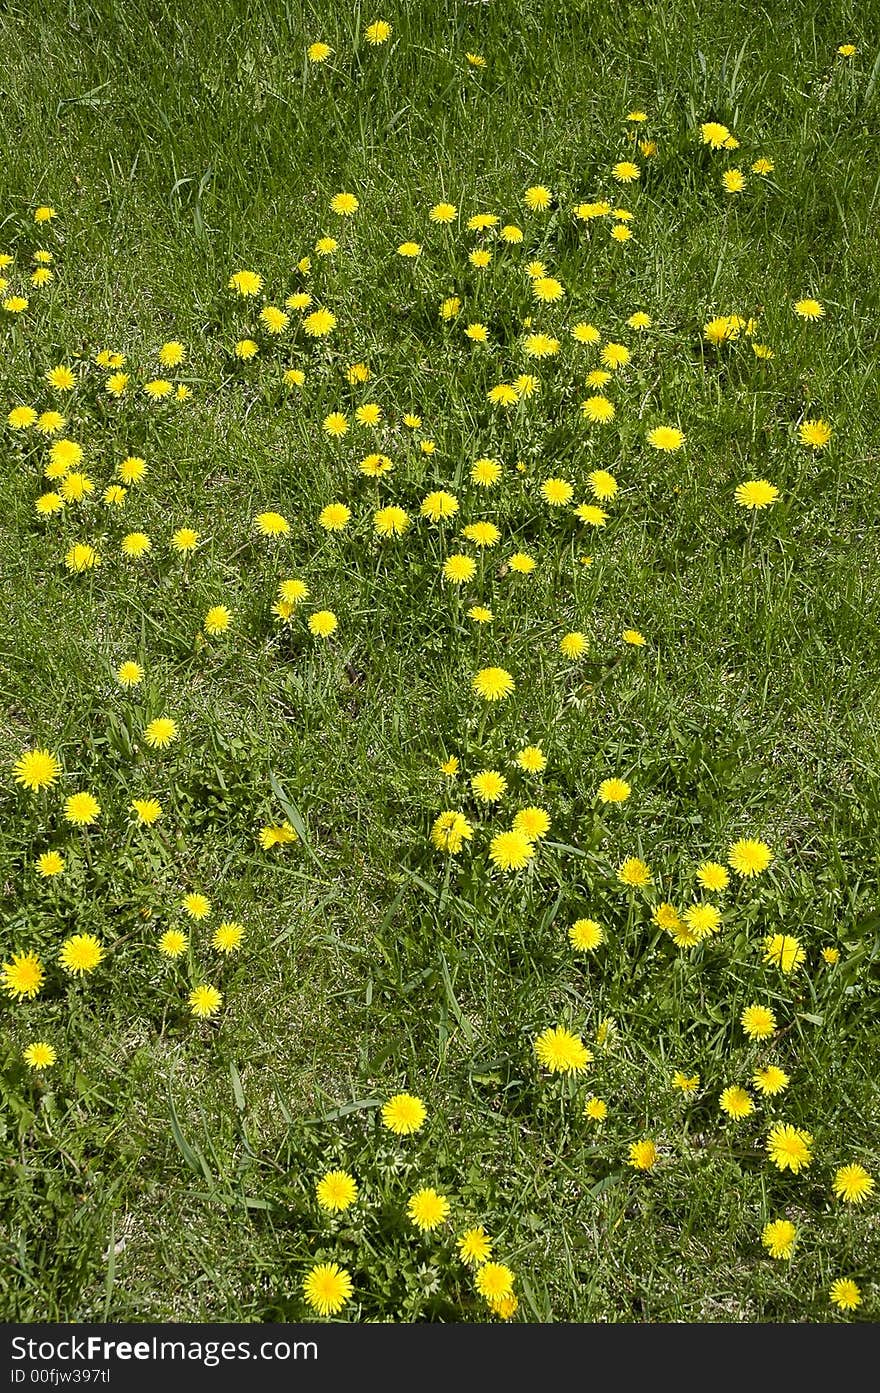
(180, 144)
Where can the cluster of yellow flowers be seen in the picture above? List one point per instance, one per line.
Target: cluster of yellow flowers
(463, 545)
(328, 1286)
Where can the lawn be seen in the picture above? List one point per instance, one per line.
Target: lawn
(614, 445)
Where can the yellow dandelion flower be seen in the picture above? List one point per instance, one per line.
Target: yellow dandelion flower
(336, 1191)
(404, 1114)
(327, 1288)
(205, 1001)
(23, 976)
(81, 953)
(562, 1052)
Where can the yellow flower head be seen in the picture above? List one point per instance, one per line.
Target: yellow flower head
(561, 1052)
(327, 1288)
(404, 1114)
(23, 976)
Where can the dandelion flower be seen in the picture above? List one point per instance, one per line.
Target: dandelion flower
(439, 506)
(596, 1109)
(336, 1191)
(532, 759)
(318, 52)
(642, 1155)
(494, 1282)
(598, 409)
(80, 954)
(81, 557)
(391, 521)
(205, 1001)
(23, 976)
(319, 323)
(615, 355)
(281, 834)
(685, 1083)
(217, 620)
(666, 438)
(61, 378)
(614, 791)
(185, 540)
(427, 1209)
(132, 469)
(81, 809)
(714, 134)
(403, 1114)
(36, 770)
(756, 493)
(327, 1288)
(146, 810)
(511, 851)
(459, 569)
(129, 674)
(815, 433)
(733, 180)
(135, 544)
(586, 935)
(450, 832)
(489, 785)
(809, 309)
(736, 1102)
(228, 936)
(379, 32)
(561, 1052)
(49, 864)
(50, 422)
(749, 858)
(21, 417)
(323, 623)
(272, 524)
(493, 683)
(778, 1237)
(845, 1294)
(625, 172)
(585, 333)
(712, 876)
(853, 1184)
(274, 320)
(335, 517)
(573, 645)
(758, 1022)
(246, 283)
(533, 823)
(475, 1246)
(703, 920)
(443, 213)
(196, 906)
(39, 1055)
(547, 289)
(634, 873)
(603, 484)
(784, 951)
(557, 492)
(538, 198)
(789, 1147)
(161, 732)
(770, 1080)
(590, 514)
